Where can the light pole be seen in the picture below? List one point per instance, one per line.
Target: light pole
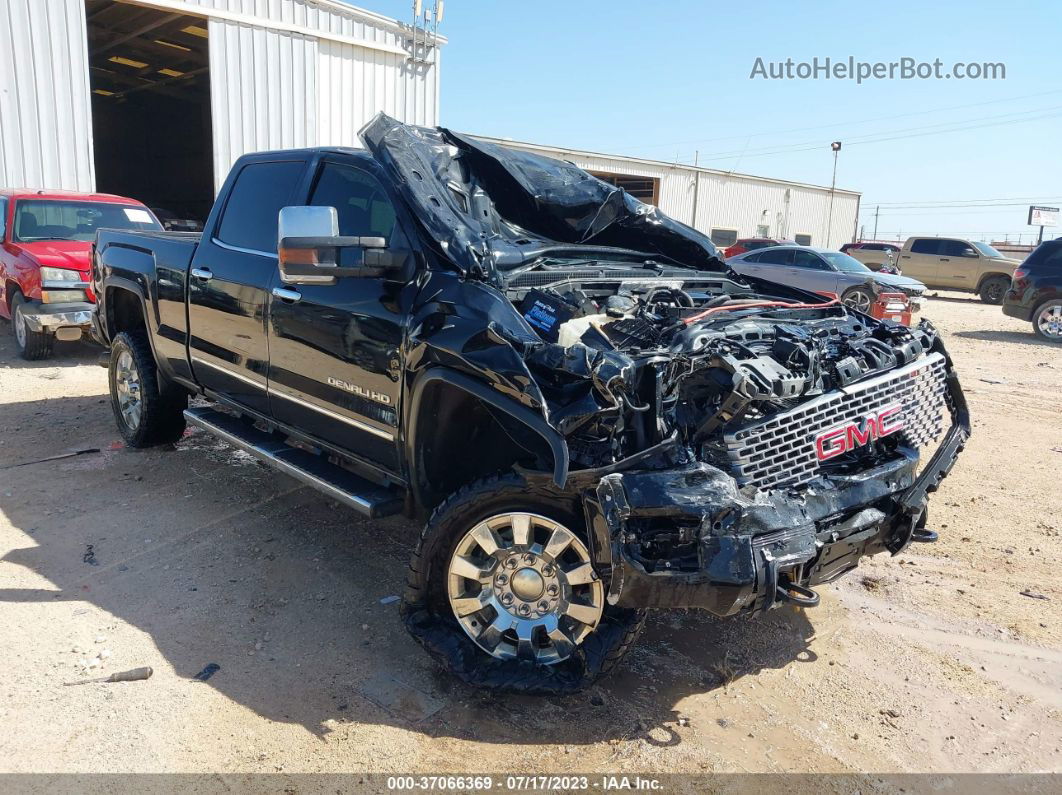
(836, 147)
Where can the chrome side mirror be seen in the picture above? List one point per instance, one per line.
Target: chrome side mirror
(309, 243)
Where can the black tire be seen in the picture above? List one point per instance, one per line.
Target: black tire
(161, 416)
(859, 298)
(1043, 334)
(426, 611)
(993, 289)
(32, 345)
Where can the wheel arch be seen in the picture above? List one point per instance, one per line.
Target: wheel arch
(450, 414)
(991, 275)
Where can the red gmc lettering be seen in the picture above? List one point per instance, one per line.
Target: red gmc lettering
(837, 441)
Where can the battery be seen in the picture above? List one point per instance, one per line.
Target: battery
(546, 313)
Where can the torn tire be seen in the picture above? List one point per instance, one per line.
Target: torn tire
(428, 615)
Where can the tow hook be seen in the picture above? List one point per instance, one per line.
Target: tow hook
(797, 594)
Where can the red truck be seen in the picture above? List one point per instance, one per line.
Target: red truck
(45, 254)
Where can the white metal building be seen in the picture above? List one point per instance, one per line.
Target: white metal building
(724, 204)
(155, 99)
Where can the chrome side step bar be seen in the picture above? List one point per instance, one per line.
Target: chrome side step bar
(352, 490)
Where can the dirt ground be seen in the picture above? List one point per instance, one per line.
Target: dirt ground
(934, 660)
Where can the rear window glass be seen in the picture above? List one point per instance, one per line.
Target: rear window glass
(925, 246)
(1047, 257)
(253, 208)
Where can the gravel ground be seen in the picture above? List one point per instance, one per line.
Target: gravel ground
(178, 558)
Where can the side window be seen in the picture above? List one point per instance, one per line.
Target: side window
(805, 259)
(925, 245)
(956, 248)
(253, 206)
(754, 257)
(802, 240)
(360, 200)
(776, 256)
(3, 217)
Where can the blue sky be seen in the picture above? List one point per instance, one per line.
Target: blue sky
(666, 79)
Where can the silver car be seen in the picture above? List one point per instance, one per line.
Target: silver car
(823, 271)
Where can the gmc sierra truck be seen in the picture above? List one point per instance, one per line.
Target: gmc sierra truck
(592, 414)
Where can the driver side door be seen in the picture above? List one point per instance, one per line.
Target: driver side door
(335, 350)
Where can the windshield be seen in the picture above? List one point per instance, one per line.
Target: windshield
(46, 219)
(987, 250)
(844, 263)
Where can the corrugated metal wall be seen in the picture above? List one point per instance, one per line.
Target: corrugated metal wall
(45, 120)
(284, 73)
(729, 201)
(261, 92)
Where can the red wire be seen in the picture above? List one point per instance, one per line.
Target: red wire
(761, 304)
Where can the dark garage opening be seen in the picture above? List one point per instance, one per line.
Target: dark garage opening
(150, 83)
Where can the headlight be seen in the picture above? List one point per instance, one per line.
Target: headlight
(62, 296)
(59, 275)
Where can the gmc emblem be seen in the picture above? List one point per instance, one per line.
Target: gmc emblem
(844, 438)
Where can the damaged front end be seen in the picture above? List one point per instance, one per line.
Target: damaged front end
(733, 442)
(731, 456)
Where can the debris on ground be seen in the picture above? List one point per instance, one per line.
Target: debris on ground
(132, 675)
(1034, 595)
(207, 672)
(389, 600)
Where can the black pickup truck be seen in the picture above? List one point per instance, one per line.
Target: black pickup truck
(592, 414)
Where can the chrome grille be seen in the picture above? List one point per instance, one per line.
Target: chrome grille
(780, 451)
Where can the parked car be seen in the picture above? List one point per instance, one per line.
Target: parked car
(45, 240)
(956, 264)
(876, 256)
(747, 244)
(1035, 292)
(172, 222)
(823, 271)
(573, 419)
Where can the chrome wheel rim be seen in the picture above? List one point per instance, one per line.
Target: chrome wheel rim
(522, 587)
(1049, 321)
(859, 301)
(127, 390)
(20, 327)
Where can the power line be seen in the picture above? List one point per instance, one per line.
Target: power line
(868, 139)
(875, 120)
(963, 202)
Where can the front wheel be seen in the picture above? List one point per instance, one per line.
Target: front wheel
(858, 298)
(1047, 321)
(32, 345)
(993, 290)
(146, 413)
(502, 592)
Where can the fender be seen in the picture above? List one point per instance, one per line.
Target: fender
(534, 421)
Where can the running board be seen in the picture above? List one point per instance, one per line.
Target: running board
(352, 490)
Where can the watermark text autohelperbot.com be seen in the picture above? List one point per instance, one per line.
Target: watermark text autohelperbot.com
(862, 71)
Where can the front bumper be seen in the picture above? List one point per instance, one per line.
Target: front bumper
(752, 549)
(50, 317)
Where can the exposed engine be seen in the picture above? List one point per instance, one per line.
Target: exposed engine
(628, 364)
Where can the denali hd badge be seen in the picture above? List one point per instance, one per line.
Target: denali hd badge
(844, 438)
(379, 397)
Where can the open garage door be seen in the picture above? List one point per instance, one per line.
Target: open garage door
(150, 82)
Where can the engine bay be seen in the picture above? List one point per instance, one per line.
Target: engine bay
(628, 361)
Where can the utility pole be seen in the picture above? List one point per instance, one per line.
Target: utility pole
(696, 186)
(877, 210)
(836, 147)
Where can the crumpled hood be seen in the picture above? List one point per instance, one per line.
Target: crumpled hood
(892, 280)
(490, 207)
(71, 254)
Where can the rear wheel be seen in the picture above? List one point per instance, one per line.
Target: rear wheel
(146, 414)
(1047, 320)
(993, 289)
(503, 593)
(32, 345)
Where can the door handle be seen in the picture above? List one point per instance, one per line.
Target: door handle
(202, 273)
(945, 259)
(293, 296)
